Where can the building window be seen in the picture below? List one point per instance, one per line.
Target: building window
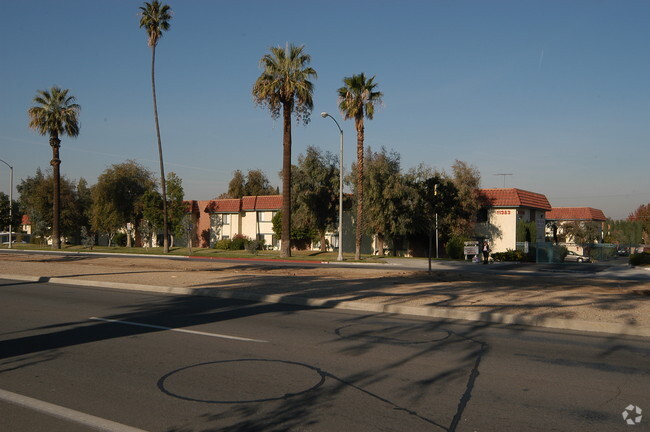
(264, 216)
(225, 219)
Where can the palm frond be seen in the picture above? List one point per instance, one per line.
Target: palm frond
(285, 81)
(54, 113)
(358, 97)
(155, 17)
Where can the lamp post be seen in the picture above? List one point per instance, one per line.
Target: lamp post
(11, 199)
(340, 257)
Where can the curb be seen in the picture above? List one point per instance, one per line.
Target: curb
(356, 305)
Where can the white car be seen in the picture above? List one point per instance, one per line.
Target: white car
(574, 257)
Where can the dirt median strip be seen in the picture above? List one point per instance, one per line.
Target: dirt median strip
(499, 297)
(359, 305)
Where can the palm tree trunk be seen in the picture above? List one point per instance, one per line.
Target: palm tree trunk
(160, 154)
(56, 201)
(360, 137)
(285, 250)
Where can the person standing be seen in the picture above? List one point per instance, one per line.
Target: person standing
(486, 251)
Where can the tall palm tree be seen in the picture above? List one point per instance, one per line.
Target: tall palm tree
(154, 17)
(357, 100)
(55, 113)
(285, 86)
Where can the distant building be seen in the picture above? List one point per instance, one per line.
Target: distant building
(503, 210)
(559, 217)
(220, 219)
(26, 224)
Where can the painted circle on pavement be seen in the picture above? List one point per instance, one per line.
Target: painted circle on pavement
(241, 381)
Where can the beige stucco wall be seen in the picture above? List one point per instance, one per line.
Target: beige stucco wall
(505, 222)
(221, 230)
(254, 223)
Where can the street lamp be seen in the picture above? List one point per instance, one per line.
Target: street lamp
(340, 257)
(11, 199)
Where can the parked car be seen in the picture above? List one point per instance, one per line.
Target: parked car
(623, 252)
(574, 257)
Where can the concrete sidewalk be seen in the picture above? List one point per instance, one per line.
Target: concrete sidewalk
(597, 302)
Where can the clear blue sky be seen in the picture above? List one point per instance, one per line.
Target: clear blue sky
(555, 92)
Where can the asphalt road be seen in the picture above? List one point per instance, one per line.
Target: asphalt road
(81, 359)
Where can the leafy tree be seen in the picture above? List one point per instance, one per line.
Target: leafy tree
(152, 221)
(258, 184)
(315, 192)
(254, 183)
(624, 232)
(582, 232)
(386, 196)
(55, 113)
(285, 86)
(526, 231)
(16, 213)
(237, 186)
(432, 195)
(84, 204)
(154, 17)
(642, 215)
(299, 234)
(467, 180)
(357, 100)
(175, 205)
(36, 195)
(117, 197)
(36, 202)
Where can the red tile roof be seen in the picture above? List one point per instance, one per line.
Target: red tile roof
(262, 202)
(247, 203)
(576, 213)
(514, 198)
(26, 220)
(223, 206)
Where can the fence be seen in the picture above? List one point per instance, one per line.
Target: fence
(545, 253)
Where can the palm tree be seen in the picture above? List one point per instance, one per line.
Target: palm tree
(284, 86)
(55, 113)
(154, 17)
(357, 99)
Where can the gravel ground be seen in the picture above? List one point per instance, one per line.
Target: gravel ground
(557, 295)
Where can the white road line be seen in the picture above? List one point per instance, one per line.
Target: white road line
(217, 335)
(96, 423)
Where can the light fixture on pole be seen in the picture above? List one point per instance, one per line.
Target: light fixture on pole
(11, 203)
(340, 257)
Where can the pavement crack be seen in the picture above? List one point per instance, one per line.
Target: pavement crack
(382, 399)
(467, 395)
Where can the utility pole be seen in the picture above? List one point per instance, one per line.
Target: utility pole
(11, 203)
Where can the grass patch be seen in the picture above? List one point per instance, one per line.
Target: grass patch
(307, 255)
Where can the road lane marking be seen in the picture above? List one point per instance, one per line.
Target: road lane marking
(217, 335)
(96, 423)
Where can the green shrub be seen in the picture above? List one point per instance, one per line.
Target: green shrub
(223, 244)
(254, 246)
(455, 247)
(509, 255)
(120, 239)
(238, 242)
(640, 259)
